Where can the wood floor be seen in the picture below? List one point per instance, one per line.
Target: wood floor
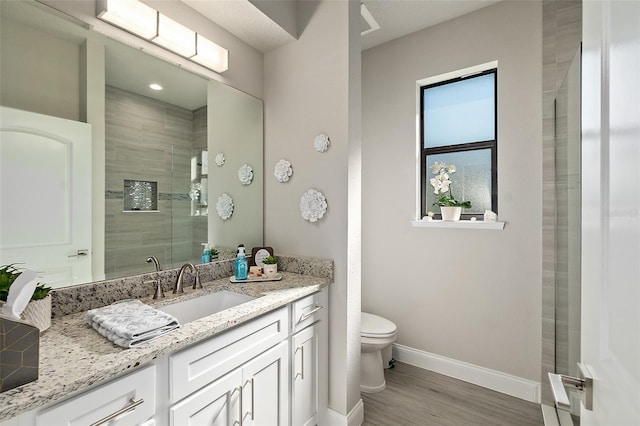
(419, 397)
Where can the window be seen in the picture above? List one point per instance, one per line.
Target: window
(458, 125)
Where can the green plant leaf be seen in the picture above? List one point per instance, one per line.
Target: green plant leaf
(8, 274)
(270, 260)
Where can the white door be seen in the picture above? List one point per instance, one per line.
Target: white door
(611, 210)
(45, 196)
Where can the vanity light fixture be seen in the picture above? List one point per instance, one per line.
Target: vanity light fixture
(146, 22)
(175, 37)
(130, 15)
(210, 54)
(155, 86)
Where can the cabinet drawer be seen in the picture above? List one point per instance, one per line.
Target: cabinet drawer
(129, 400)
(200, 365)
(308, 310)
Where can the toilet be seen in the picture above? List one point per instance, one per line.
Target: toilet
(376, 336)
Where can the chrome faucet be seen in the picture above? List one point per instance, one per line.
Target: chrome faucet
(179, 286)
(155, 262)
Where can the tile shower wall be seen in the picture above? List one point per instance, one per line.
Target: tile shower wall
(561, 36)
(146, 140)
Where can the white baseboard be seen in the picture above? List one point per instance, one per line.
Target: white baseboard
(354, 418)
(481, 376)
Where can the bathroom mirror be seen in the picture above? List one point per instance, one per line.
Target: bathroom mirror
(161, 144)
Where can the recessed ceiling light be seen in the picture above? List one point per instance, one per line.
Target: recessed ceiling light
(155, 86)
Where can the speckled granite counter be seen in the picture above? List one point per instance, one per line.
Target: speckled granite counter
(73, 356)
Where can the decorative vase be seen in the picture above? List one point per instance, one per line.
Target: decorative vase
(270, 271)
(451, 214)
(38, 313)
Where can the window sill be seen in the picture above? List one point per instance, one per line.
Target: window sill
(462, 224)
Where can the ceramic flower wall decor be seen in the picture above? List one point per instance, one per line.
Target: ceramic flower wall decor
(313, 205)
(245, 174)
(224, 206)
(321, 142)
(220, 158)
(283, 171)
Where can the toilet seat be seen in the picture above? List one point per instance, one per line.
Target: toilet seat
(374, 326)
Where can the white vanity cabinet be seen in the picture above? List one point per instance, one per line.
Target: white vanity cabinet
(128, 400)
(309, 367)
(268, 371)
(255, 394)
(237, 379)
(203, 363)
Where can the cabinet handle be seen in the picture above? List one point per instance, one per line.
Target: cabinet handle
(132, 406)
(252, 399)
(240, 404)
(295, 364)
(308, 314)
(301, 374)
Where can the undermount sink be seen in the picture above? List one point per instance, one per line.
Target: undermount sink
(200, 307)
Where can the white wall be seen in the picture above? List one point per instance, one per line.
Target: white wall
(311, 87)
(469, 295)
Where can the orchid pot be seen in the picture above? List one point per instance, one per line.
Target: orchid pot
(451, 214)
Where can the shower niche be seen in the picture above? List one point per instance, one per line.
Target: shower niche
(140, 196)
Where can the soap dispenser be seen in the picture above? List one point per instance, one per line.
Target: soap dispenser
(206, 253)
(242, 267)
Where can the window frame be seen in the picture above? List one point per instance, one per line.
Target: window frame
(463, 147)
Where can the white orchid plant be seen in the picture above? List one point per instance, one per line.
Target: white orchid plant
(442, 185)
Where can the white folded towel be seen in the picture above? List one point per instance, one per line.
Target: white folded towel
(129, 324)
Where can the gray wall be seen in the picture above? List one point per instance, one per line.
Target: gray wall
(311, 87)
(470, 295)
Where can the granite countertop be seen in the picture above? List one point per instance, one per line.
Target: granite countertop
(73, 356)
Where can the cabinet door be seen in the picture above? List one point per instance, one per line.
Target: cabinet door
(266, 388)
(305, 376)
(217, 404)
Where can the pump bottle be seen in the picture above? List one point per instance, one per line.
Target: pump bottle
(242, 267)
(206, 253)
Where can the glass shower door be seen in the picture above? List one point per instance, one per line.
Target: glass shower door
(189, 205)
(568, 227)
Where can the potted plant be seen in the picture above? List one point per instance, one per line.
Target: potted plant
(38, 310)
(449, 206)
(214, 253)
(270, 267)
